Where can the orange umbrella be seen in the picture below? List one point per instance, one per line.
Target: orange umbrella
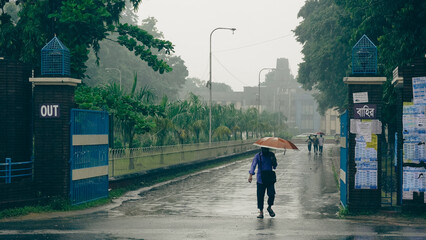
(275, 143)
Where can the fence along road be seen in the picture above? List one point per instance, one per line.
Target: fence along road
(135, 160)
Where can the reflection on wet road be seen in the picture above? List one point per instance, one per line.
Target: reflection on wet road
(220, 204)
(305, 189)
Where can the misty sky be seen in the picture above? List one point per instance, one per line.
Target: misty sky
(264, 33)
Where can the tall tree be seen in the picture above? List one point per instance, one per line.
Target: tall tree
(81, 25)
(331, 27)
(397, 26)
(124, 63)
(326, 52)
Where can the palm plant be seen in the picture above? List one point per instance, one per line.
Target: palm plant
(222, 133)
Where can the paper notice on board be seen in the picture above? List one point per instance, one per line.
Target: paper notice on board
(419, 90)
(360, 97)
(373, 142)
(421, 121)
(364, 129)
(366, 179)
(407, 195)
(375, 126)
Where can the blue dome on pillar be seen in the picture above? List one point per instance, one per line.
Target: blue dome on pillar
(55, 59)
(364, 57)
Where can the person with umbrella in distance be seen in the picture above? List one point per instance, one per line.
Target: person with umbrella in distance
(265, 161)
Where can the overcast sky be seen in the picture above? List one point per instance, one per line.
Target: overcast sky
(264, 34)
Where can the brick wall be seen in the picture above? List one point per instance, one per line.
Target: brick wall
(15, 123)
(15, 112)
(417, 68)
(364, 199)
(52, 140)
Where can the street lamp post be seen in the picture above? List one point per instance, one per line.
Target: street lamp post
(258, 100)
(118, 71)
(209, 84)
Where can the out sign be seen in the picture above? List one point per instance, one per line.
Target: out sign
(50, 111)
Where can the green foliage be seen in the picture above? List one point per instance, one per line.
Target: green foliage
(120, 58)
(343, 212)
(326, 52)
(330, 28)
(15, 212)
(166, 123)
(133, 113)
(144, 51)
(222, 133)
(81, 25)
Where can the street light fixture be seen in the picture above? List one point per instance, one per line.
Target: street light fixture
(258, 100)
(209, 84)
(118, 71)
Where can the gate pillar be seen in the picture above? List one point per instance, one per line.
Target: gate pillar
(364, 142)
(53, 101)
(410, 82)
(365, 91)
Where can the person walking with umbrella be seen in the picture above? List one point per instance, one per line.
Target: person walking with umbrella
(265, 161)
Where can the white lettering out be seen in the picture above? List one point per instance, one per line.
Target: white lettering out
(49, 110)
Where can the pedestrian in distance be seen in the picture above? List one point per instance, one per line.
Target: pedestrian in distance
(320, 143)
(265, 161)
(309, 141)
(315, 142)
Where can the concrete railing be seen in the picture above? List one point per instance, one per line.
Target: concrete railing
(135, 160)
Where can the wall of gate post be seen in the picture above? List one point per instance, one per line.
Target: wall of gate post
(365, 91)
(16, 187)
(53, 101)
(364, 142)
(411, 157)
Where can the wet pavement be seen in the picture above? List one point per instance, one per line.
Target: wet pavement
(220, 204)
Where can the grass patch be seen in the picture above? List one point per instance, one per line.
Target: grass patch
(409, 214)
(15, 212)
(343, 212)
(62, 205)
(333, 168)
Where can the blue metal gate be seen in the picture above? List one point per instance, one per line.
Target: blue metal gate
(89, 155)
(344, 158)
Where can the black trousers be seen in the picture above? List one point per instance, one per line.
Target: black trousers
(261, 188)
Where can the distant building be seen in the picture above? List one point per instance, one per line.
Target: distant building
(280, 92)
(330, 122)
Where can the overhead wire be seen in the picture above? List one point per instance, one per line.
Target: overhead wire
(254, 44)
(242, 47)
(226, 69)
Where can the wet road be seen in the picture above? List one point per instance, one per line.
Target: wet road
(220, 204)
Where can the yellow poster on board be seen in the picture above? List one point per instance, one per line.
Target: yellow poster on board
(373, 143)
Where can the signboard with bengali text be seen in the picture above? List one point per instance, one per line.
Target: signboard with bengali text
(365, 111)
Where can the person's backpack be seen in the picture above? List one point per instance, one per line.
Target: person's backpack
(268, 176)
